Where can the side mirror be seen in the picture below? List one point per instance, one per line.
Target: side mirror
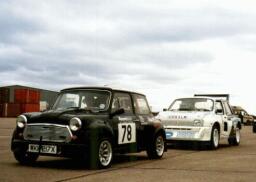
(164, 109)
(219, 111)
(117, 112)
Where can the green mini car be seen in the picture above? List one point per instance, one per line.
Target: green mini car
(90, 123)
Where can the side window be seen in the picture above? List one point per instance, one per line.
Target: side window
(141, 105)
(243, 113)
(229, 112)
(122, 100)
(218, 106)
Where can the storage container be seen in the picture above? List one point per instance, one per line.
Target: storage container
(29, 108)
(4, 95)
(1, 110)
(26, 96)
(11, 110)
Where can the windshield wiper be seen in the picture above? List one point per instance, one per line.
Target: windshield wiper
(76, 108)
(173, 110)
(202, 109)
(185, 109)
(92, 110)
(73, 107)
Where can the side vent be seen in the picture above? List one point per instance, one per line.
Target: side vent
(225, 126)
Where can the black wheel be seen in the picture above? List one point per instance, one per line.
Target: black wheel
(215, 138)
(101, 154)
(25, 158)
(235, 139)
(254, 128)
(155, 150)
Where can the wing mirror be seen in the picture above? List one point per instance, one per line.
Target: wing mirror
(117, 112)
(219, 111)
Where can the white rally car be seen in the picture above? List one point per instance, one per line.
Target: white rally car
(202, 119)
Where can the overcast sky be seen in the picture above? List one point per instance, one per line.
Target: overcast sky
(162, 48)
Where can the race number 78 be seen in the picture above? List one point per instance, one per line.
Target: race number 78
(126, 133)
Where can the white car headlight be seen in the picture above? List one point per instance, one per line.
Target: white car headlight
(198, 122)
(21, 121)
(75, 124)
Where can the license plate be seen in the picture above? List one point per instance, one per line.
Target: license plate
(186, 134)
(46, 149)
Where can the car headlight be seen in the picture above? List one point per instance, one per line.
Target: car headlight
(198, 122)
(75, 124)
(21, 121)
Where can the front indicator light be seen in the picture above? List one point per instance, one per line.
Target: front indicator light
(198, 122)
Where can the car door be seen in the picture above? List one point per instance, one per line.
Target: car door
(228, 122)
(143, 116)
(124, 125)
(219, 108)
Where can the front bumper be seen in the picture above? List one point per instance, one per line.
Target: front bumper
(188, 133)
(63, 149)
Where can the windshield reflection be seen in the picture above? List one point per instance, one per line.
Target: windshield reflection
(192, 104)
(83, 99)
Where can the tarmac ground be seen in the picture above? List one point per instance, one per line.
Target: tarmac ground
(180, 163)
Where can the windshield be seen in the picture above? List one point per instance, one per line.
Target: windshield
(83, 99)
(192, 104)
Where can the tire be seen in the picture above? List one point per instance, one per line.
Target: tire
(101, 155)
(215, 138)
(155, 150)
(254, 128)
(235, 140)
(25, 158)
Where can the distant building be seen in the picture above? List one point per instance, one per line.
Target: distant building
(15, 99)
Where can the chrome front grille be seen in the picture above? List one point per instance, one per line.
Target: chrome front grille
(178, 122)
(48, 132)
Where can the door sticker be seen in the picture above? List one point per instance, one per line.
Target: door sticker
(126, 133)
(126, 118)
(142, 120)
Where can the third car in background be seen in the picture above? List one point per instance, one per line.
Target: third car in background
(246, 118)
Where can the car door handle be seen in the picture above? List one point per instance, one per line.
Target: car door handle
(228, 117)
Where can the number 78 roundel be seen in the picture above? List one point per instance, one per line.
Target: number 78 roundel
(126, 133)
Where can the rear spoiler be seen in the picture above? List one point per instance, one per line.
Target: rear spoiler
(225, 96)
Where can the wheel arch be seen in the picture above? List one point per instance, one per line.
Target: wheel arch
(239, 125)
(217, 124)
(99, 130)
(151, 131)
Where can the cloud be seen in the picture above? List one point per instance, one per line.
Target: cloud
(168, 45)
(14, 24)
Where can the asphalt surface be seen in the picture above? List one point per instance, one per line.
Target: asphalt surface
(180, 163)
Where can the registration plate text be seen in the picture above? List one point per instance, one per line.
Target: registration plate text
(46, 149)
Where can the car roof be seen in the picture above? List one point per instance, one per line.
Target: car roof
(237, 108)
(100, 88)
(202, 97)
